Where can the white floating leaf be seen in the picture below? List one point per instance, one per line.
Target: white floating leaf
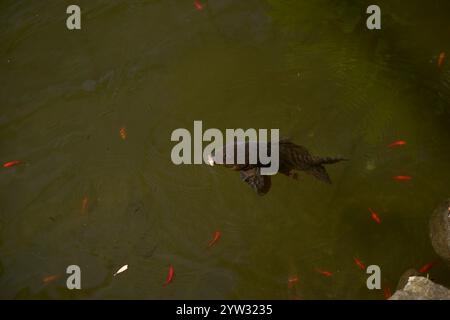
(122, 269)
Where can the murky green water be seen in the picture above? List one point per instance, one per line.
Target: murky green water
(310, 68)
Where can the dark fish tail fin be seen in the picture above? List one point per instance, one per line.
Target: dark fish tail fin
(328, 160)
(320, 173)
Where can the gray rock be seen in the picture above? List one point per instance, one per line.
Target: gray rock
(440, 230)
(404, 278)
(421, 288)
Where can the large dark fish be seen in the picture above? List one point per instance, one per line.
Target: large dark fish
(292, 157)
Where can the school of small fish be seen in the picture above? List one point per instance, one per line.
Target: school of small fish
(292, 280)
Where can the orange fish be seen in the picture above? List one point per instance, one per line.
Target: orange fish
(292, 281)
(123, 133)
(84, 204)
(359, 263)
(427, 267)
(387, 292)
(402, 178)
(324, 273)
(50, 278)
(216, 238)
(11, 163)
(293, 290)
(374, 216)
(295, 297)
(169, 275)
(441, 59)
(398, 143)
(198, 5)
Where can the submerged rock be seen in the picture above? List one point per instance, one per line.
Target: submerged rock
(411, 285)
(421, 288)
(440, 230)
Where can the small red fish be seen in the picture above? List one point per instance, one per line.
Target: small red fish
(402, 178)
(292, 281)
(374, 216)
(398, 143)
(216, 238)
(50, 278)
(169, 275)
(324, 273)
(387, 292)
(123, 133)
(198, 5)
(359, 263)
(427, 267)
(441, 59)
(11, 163)
(295, 297)
(84, 204)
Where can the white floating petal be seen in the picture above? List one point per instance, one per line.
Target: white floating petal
(122, 269)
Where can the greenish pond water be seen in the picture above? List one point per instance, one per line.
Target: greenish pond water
(309, 68)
